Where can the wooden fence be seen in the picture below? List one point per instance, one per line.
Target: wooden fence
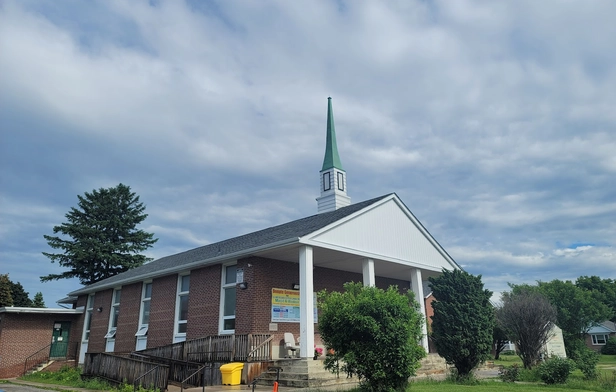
(179, 370)
(217, 349)
(126, 370)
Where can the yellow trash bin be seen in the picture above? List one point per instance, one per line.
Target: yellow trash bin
(232, 373)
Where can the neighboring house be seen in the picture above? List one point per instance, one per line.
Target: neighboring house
(598, 335)
(35, 332)
(265, 282)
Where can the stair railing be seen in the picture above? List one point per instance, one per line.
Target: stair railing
(201, 369)
(259, 347)
(138, 379)
(38, 357)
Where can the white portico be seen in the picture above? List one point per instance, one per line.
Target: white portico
(380, 238)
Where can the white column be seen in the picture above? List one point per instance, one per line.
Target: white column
(367, 269)
(417, 286)
(306, 303)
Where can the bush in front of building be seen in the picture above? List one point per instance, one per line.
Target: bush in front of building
(610, 347)
(587, 360)
(555, 370)
(372, 334)
(463, 320)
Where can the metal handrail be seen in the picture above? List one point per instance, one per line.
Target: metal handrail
(259, 346)
(143, 375)
(202, 368)
(48, 347)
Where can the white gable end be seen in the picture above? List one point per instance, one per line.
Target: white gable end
(386, 231)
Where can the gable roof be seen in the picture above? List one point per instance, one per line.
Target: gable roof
(604, 327)
(243, 245)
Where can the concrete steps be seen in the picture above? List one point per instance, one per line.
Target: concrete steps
(304, 373)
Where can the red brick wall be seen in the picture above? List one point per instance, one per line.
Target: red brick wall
(204, 302)
(22, 335)
(253, 312)
(429, 314)
(597, 348)
(128, 318)
(162, 311)
(100, 321)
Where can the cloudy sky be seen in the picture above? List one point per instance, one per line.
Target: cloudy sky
(495, 122)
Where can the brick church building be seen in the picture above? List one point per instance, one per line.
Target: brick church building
(264, 282)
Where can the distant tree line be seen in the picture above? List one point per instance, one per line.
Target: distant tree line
(14, 294)
(527, 311)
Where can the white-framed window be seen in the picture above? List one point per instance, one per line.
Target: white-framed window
(340, 181)
(181, 308)
(599, 340)
(144, 316)
(227, 299)
(327, 184)
(88, 319)
(113, 320)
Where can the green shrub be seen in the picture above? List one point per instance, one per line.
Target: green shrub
(607, 381)
(374, 335)
(586, 360)
(529, 375)
(510, 374)
(610, 347)
(555, 370)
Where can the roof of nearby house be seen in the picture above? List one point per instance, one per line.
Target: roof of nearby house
(271, 237)
(604, 327)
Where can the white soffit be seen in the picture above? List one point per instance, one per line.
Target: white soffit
(385, 229)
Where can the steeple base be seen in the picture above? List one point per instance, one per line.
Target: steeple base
(332, 202)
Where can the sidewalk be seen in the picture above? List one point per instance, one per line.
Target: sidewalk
(171, 388)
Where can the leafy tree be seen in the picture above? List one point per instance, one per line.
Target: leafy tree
(374, 333)
(499, 340)
(463, 320)
(104, 240)
(577, 309)
(5, 291)
(527, 316)
(38, 301)
(603, 290)
(20, 295)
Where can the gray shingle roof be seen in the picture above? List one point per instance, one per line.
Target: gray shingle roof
(270, 236)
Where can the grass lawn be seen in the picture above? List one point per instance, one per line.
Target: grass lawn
(488, 386)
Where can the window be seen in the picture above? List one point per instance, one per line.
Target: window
(599, 339)
(88, 319)
(227, 299)
(326, 181)
(340, 181)
(115, 311)
(144, 318)
(181, 308)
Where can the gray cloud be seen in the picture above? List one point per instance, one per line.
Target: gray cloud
(494, 122)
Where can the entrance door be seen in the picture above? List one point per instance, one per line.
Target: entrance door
(59, 340)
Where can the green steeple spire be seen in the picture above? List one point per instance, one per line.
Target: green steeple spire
(332, 159)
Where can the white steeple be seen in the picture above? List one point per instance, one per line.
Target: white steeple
(333, 177)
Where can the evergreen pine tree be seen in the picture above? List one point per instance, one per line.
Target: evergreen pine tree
(20, 295)
(5, 291)
(38, 301)
(104, 240)
(463, 320)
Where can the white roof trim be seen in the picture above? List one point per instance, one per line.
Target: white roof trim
(12, 309)
(369, 255)
(307, 239)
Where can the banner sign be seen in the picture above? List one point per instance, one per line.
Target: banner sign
(285, 306)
